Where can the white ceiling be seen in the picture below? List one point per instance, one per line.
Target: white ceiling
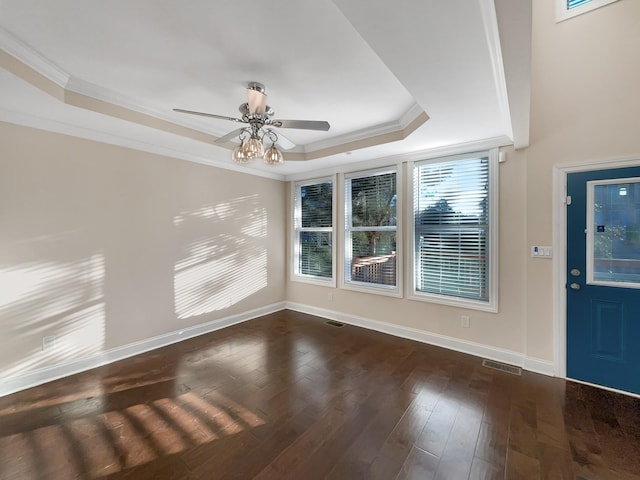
(368, 67)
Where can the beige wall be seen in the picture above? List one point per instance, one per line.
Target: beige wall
(585, 107)
(102, 246)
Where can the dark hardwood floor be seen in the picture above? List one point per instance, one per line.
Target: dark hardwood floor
(287, 396)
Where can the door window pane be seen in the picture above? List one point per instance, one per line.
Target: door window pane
(614, 232)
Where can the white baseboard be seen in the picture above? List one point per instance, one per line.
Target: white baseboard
(47, 374)
(538, 365)
(472, 348)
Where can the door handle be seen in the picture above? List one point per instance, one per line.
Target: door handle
(574, 286)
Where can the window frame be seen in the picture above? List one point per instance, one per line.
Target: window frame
(372, 288)
(492, 271)
(296, 228)
(591, 230)
(563, 12)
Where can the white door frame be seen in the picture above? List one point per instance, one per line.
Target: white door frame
(560, 173)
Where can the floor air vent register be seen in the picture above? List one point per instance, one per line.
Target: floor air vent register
(333, 323)
(503, 367)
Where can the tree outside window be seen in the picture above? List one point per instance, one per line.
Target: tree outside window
(370, 229)
(313, 225)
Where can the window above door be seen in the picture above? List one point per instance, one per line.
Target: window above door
(566, 9)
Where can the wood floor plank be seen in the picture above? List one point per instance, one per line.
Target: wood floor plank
(398, 445)
(287, 396)
(492, 443)
(483, 470)
(435, 434)
(419, 465)
(458, 454)
(521, 466)
(554, 463)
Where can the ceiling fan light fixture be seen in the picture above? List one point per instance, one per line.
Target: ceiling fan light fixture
(273, 156)
(253, 148)
(257, 115)
(239, 154)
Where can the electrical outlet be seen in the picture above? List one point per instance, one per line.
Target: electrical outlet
(465, 321)
(331, 296)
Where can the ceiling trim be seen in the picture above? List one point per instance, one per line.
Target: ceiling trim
(364, 142)
(40, 123)
(22, 60)
(514, 21)
(88, 89)
(32, 59)
(426, 154)
(31, 76)
(409, 118)
(39, 76)
(489, 18)
(117, 111)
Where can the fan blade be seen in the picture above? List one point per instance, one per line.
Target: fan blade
(257, 102)
(211, 115)
(229, 136)
(301, 124)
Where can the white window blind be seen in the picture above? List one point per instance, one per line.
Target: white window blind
(576, 3)
(371, 229)
(313, 226)
(452, 231)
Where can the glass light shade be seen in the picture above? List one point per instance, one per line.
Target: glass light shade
(239, 154)
(253, 148)
(273, 156)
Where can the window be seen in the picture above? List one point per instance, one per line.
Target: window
(613, 232)
(455, 230)
(313, 232)
(370, 231)
(566, 9)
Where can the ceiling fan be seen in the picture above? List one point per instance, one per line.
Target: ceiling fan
(258, 117)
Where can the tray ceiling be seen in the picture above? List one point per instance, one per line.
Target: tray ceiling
(391, 78)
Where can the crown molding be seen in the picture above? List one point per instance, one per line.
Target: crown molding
(424, 154)
(72, 130)
(490, 20)
(80, 93)
(397, 127)
(112, 97)
(32, 59)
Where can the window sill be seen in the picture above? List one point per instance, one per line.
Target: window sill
(455, 302)
(320, 281)
(372, 289)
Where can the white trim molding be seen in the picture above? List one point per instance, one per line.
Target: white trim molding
(511, 357)
(43, 375)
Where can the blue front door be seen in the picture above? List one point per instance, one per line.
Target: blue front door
(603, 278)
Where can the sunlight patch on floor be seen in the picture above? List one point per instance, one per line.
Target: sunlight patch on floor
(106, 443)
